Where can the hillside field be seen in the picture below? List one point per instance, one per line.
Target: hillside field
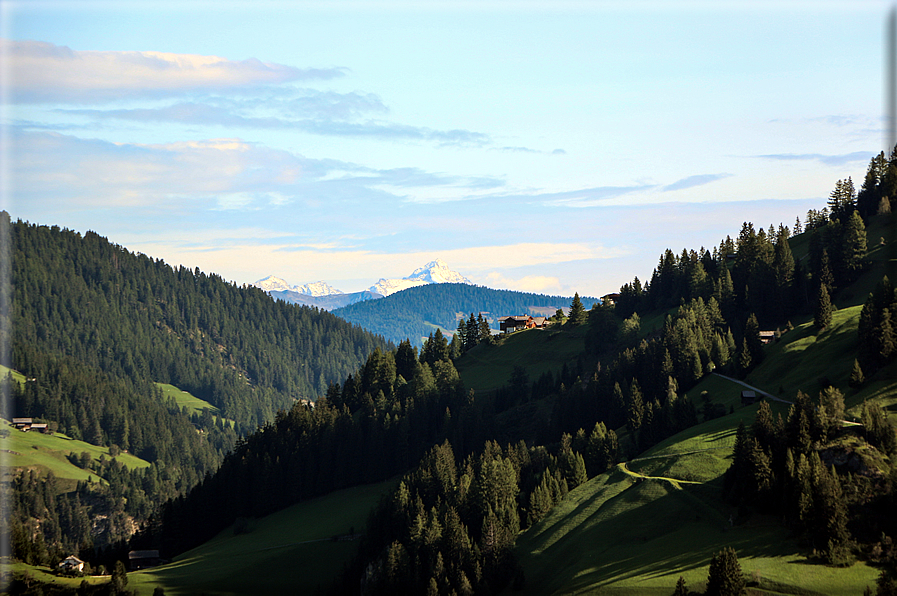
(33, 450)
(636, 528)
(289, 552)
(486, 368)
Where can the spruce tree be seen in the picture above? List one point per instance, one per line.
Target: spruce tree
(725, 578)
(822, 317)
(680, 590)
(853, 245)
(856, 375)
(578, 315)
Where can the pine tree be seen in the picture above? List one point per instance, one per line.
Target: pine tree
(578, 315)
(680, 590)
(822, 317)
(853, 245)
(856, 375)
(725, 578)
(886, 339)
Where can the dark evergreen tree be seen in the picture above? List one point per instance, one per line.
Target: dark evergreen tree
(725, 577)
(822, 316)
(578, 315)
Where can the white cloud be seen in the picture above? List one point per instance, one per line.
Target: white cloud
(541, 284)
(44, 72)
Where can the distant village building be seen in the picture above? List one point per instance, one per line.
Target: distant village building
(610, 299)
(518, 322)
(767, 337)
(140, 559)
(72, 563)
(748, 397)
(26, 424)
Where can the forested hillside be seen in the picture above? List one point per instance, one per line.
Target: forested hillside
(415, 313)
(95, 327)
(453, 524)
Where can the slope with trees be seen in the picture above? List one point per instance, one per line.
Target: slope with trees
(413, 313)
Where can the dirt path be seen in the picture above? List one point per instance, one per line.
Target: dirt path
(774, 398)
(759, 391)
(675, 482)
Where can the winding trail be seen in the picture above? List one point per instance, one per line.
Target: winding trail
(778, 399)
(760, 391)
(675, 482)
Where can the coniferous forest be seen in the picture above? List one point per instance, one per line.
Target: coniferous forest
(97, 325)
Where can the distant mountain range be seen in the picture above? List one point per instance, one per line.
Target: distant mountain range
(416, 312)
(325, 296)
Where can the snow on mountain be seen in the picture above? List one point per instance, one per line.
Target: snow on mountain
(272, 284)
(434, 272)
(275, 284)
(385, 287)
(438, 272)
(318, 288)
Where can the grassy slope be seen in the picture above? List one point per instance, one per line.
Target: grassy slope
(288, 552)
(618, 534)
(37, 451)
(485, 368)
(183, 399)
(16, 375)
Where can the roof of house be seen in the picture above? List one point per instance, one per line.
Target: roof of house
(143, 554)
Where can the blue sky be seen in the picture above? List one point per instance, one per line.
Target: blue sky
(551, 147)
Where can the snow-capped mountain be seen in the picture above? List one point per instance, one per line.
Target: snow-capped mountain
(385, 287)
(272, 284)
(434, 272)
(318, 288)
(438, 272)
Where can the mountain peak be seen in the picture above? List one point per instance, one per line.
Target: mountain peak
(438, 272)
(272, 284)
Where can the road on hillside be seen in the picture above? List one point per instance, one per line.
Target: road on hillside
(774, 398)
(760, 391)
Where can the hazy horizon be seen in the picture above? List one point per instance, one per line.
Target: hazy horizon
(543, 148)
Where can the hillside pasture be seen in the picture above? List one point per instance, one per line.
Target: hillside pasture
(288, 552)
(16, 375)
(486, 368)
(620, 534)
(185, 399)
(43, 453)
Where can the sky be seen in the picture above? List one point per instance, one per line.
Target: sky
(542, 147)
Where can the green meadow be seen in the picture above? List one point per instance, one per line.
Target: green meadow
(486, 368)
(185, 399)
(37, 451)
(288, 552)
(639, 527)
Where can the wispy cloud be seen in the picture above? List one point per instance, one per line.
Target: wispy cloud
(830, 160)
(227, 174)
(693, 181)
(44, 72)
(588, 197)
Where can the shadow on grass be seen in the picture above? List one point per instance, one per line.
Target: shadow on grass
(648, 531)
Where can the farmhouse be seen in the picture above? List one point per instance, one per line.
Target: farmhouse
(72, 563)
(139, 559)
(22, 423)
(748, 397)
(517, 322)
(767, 337)
(610, 299)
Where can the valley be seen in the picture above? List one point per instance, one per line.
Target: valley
(611, 452)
